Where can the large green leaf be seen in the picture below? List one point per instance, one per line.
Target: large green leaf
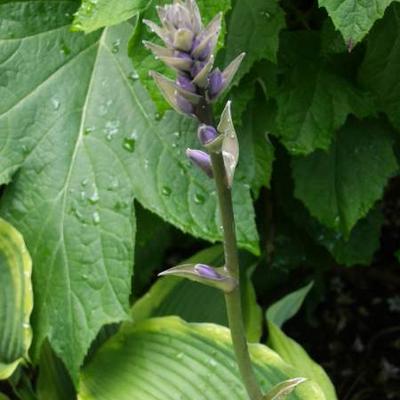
(354, 18)
(166, 358)
(378, 72)
(288, 349)
(198, 303)
(144, 60)
(84, 136)
(16, 300)
(314, 100)
(95, 14)
(340, 187)
(253, 28)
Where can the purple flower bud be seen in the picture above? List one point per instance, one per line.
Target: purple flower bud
(201, 160)
(185, 83)
(216, 83)
(184, 105)
(203, 53)
(207, 272)
(206, 134)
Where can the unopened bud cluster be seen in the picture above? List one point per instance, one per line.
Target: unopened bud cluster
(189, 50)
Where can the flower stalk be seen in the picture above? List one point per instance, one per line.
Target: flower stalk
(189, 50)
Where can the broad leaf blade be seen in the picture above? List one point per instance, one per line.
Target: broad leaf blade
(16, 299)
(336, 186)
(163, 357)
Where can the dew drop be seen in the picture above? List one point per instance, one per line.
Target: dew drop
(166, 191)
(177, 134)
(56, 103)
(64, 49)
(94, 198)
(133, 76)
(84, 182)
(180, 356)
(146, 163)
(115, 46)
(88, 131)
(96, 218)
(25, 149)
(129, 144)
(111, 129)
(199, 198)
(157, 116)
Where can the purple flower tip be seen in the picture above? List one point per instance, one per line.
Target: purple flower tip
(206, 271)
(216, 83)
(185, 83)
(206, 134)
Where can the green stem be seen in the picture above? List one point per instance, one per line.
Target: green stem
(233, 299)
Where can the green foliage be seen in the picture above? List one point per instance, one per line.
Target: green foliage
(325, 181)
(171, 350)
(290, 350)
(15, 300)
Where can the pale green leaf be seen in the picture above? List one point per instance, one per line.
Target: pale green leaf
(288, 349)
(16, 300)
(165, 357)
(144, 61)
(378, 71)
(354, 18)
(83, 133)
(95, 14)
(253, 28)
(340, 187)
(286, 308)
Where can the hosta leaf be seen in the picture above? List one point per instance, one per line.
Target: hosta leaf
(336, 186)
(288, 349)
(95, 14)
(354, 18)
(166, 357)
(83, 133)
(198, 303)
(254, 28)
(378, 71)
(16, 300)
(314, 101)
(144, 60)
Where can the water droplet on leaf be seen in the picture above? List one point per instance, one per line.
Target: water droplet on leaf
(166, 191)
(88, 131)
(133, 76)
(96, 218)
(199, 198)
(115, 46)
